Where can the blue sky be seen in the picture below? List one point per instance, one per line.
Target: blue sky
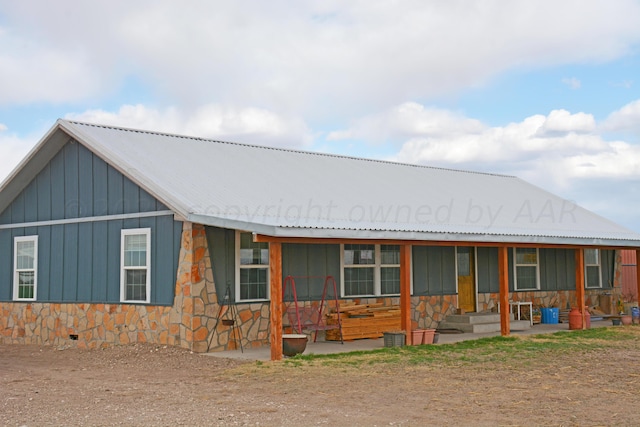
(548, 91)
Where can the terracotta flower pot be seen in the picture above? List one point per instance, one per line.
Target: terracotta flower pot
(626, 319)
(417, 337)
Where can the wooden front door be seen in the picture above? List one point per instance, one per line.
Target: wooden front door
(466, 279)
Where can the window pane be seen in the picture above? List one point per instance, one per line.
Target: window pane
(592, 278)
(26, 278)
(358, 281)
(136, 285)
(526, 277)
(390, 280)
(26, 255)
(591, 256)
(26, 282)
(135, 250)
(526, 256)
(464, 264)
(25, 291)
(253, 253)
(359, 254)
(390, 254)
(253, 283)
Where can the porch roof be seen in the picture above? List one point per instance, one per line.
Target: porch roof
(287, 193)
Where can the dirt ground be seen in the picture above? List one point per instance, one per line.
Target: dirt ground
(146, 385)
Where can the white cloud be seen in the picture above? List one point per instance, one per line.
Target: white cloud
(406, 120)
(249, 125)
(552, 151)
(32, 72)
(619, 160)
(572, 83)
(562, 121)
(325, 57)
(12, 150)
(626, 118)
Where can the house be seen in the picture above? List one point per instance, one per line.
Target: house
(111, 236)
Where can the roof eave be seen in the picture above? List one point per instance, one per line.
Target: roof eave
(409, 236)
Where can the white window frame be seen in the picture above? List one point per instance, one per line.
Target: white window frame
(16, 271)
(515, 270)
(123, 291)
(598, 264)
(240, 266)
(377, 276)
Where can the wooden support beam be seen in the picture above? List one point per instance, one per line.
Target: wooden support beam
(580, 284)
(405, 290)
(503, 278)
(446, 243)
(275, 284)
(638, 273)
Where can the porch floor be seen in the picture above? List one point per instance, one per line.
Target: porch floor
(330, 347)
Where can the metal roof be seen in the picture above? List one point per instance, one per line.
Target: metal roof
(291, 193)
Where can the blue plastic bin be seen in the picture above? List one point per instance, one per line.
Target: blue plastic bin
(550, 315)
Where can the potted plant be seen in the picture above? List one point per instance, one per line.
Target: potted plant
(536, 315)
(625, 317)
(628, 301)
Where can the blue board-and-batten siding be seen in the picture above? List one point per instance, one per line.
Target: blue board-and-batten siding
(297, 260)
(80, 262)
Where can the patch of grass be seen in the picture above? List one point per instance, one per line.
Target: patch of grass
(523, 349)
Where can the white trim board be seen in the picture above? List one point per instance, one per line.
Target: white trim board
(86, 219)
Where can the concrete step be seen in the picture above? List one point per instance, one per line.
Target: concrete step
(473, 318)
(477, 323)
(520, 325)
(470, 327)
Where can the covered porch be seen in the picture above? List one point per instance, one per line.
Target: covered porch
(276, 284)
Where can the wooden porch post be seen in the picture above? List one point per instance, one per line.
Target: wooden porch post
(503, 278)
(580, 284)
(638, 273)
(275, 284)
(405, 290)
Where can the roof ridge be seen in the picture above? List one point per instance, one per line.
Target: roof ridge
(290, 150)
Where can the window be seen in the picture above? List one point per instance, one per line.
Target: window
(25, 268)
(526, 269)
(592, 276)
(252, 268)
(370, 270)
(135, 259)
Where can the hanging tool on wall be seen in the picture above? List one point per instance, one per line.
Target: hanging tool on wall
(228, 318)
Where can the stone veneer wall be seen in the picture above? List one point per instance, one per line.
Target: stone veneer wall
(84, 325)
(201, 311)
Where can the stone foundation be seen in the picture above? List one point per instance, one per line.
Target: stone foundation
(85, 325)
